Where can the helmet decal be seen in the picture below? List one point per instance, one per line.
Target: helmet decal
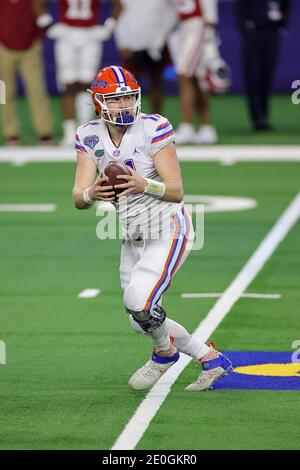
(101, 83)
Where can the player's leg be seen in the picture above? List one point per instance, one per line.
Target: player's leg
(66, 63)
(89, 64)
(9, 65)
(130, 255)
(150, 278)
(181, 338)
(32, 72)
(143, 275)
(252, 76)
(155, 71)
(189, 52)
(214, 364)
(205, 356)
(206, 134)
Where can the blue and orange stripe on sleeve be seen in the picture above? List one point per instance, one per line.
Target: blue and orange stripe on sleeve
(162, 136)
(78, 145)
(80, 148)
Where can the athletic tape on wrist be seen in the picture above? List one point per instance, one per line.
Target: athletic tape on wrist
(87, 198)
(155, 188)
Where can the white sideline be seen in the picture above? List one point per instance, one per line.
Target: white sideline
(28, 207)
(208, 295)
(227, 154)
(136, 427)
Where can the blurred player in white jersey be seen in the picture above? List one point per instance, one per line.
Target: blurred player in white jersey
(157, 229)
(199, 67)
(141, 35)
(78, 53)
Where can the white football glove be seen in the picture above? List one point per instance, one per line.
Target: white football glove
(56, 31)
(155, 54)
(104, 32)
(44, 20)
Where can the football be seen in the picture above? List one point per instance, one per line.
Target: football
(112, 170)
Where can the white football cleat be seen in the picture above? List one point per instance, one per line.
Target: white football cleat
(147, 376)
(212, 371)
(206, 135)
(185, 134)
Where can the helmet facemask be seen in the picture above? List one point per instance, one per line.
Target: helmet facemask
(122, 116)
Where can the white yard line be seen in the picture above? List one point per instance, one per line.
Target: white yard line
(226, 154)
(89, 293)
(208, 295)
(138, 424)
(28, 207)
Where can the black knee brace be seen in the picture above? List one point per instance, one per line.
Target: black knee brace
(149, 320)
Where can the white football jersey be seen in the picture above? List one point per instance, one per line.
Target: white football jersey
(140, 143)
(143, 23)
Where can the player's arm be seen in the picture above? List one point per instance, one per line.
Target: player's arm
(87, 187)
(167, 166)
(43, 17)
(116, 8)
(104, 32)
(40, 7)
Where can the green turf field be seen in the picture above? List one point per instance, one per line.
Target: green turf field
(64, 385)
(229, 115)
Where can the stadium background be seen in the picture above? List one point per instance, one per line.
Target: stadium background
(287, 66)
(64, 384)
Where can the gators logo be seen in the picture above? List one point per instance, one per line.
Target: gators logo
(100, 83)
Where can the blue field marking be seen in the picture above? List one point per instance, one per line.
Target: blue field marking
(256, 378)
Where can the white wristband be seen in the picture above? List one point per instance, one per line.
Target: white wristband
(87, 198)
(155, 188)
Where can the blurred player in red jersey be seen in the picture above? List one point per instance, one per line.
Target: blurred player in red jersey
(199, 67)
(22, 24)
(78, 53)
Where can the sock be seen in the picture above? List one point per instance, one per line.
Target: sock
(84, 109)
(69, 128)
(183, 340)
(161, 338)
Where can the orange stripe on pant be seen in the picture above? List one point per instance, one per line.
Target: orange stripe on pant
(184, 246)
(147, 305)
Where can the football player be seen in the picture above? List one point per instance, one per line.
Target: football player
(157, 228)
(78, 53)
(199, 67)
(141, 35)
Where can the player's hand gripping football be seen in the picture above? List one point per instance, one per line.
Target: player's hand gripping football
(135, 184)
(98, 192)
